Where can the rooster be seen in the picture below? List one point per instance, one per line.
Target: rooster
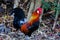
(33, 23)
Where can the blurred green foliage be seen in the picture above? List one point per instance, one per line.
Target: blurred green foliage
(50, 5)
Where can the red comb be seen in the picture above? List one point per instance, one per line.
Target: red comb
(40, 10)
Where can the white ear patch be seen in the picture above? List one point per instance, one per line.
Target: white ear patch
(37, 11)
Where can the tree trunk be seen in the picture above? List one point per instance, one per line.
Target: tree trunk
(16, 2)
(30, 9)
(37, 4)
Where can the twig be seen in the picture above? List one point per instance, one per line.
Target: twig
(56, 17)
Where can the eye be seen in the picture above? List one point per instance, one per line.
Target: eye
(37, 11)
